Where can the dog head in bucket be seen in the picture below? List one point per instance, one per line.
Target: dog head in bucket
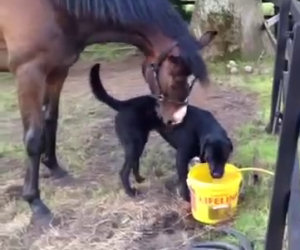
(216, 150)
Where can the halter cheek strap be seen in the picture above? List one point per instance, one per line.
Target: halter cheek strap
(160, 97)
(192, 85)
(155, 68)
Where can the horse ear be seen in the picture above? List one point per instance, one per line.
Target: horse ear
(206, 38)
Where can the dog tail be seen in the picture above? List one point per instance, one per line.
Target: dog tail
(99, 91)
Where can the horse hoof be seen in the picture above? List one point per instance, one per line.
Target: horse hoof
(133, 193)
(58, 173)
(55, 173)
(41, 215)
(39, 208)
(54, 170)
(140, 179)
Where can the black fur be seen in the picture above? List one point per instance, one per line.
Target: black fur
(199, 134)
(131, 13)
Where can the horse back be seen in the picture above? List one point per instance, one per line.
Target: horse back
(29, 29)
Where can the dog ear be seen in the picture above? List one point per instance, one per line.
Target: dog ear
(203, 145)
(230, 144)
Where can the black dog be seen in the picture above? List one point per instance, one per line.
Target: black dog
(198, 135)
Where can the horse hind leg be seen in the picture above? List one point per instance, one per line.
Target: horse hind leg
(51, 111)
(31, 89)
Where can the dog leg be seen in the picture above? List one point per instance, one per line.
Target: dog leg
(182, 161)
(136, 173)
(131, 160)
(136, 166)
(124, 175)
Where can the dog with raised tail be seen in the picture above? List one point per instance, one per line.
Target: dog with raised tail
(199, 135)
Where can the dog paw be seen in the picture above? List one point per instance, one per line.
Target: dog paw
(184, 193)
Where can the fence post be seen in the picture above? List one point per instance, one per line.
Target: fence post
(286, 153)
(294, 210)
(280, 59)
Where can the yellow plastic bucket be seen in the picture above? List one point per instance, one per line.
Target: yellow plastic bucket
(213, 200)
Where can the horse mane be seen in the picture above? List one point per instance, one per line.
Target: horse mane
(155, 13)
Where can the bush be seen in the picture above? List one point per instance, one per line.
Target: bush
(185, 12)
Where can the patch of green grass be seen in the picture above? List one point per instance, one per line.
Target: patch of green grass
(6, 77)
(268, 9)
(8, 96)
(107, 52)
(158, 160)
(8, 101)
(260, 82)
(254, 146)
(9, 113)
(12, 150)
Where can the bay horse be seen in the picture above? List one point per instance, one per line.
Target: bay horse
(43, 38)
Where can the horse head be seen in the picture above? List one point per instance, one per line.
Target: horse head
(168, 78)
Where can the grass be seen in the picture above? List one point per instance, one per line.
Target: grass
(8, 103)
(268, 9)
(9, 112)
(254, 148)
(107, 52)
(83, 207)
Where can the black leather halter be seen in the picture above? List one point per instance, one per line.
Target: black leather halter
(160, 96)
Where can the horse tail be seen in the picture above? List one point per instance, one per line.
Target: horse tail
(99, 91)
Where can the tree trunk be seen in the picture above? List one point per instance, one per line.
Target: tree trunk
(238, 24)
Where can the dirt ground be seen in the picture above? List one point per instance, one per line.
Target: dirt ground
(90, 208)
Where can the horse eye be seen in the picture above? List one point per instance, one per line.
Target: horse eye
(191, 81)
(190, 78)
(160, 98)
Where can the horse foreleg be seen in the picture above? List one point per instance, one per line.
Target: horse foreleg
(51, 103)
(31, 90)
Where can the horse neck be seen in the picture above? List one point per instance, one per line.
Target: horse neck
(151, 42)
